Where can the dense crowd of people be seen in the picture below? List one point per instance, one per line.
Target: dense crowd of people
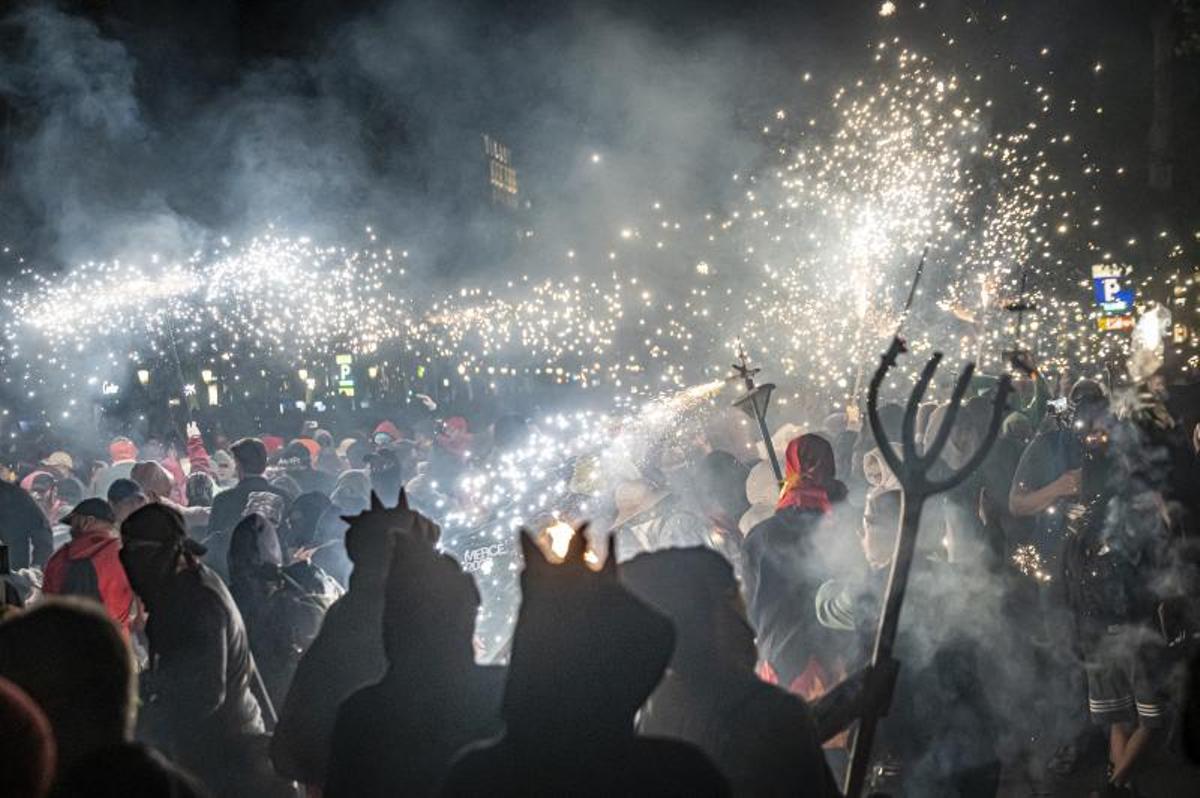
(297, 616)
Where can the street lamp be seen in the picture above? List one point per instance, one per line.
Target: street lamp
(206, 375)
(143, 376)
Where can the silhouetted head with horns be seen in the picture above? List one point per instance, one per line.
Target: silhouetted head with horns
(371, 536)
(586, 652)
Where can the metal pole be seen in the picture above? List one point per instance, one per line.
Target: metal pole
(766, 436)
(913, 471)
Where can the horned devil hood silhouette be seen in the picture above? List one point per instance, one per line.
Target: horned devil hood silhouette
(586, 652)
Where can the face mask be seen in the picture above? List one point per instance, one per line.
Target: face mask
(146, 563)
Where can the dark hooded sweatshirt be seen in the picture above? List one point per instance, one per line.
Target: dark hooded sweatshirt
(586, 655)
(346, 655)
(399, 736)
(23, 528)
(202, 670)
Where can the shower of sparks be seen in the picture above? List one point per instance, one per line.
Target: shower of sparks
(1028, 561)
(809, 269)
(581, 455)
(567, 466)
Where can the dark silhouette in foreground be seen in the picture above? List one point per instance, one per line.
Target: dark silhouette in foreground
(27, 742)
(762, 738)
(586, 655)
(398, 737)
(72, 660)
(347, 653)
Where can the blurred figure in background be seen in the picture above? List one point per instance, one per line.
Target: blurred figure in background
(24, 528)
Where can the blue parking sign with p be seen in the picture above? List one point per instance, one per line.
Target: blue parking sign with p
(1114, 291)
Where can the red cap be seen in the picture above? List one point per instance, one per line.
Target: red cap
(389, 429)
(122, 449)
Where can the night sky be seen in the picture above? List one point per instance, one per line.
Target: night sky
(213, 83)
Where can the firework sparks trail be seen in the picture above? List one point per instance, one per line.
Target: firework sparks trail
(567, 465)
(807, 269)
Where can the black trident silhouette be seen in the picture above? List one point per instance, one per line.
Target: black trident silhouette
(913, 472)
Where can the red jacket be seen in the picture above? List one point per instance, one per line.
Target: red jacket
(102, 549)
(198, 456)
(178, 480)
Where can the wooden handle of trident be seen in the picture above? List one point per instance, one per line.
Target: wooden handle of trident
(913, 474)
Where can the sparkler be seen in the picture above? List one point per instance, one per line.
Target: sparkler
(1028, 561)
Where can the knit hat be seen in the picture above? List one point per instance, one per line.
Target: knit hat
(158, 523)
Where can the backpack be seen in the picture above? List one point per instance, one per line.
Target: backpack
(81, 579)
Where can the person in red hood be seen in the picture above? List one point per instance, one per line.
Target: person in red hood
(780, 596)
(88, 565)
(809, 483)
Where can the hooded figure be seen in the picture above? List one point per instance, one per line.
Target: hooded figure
(809, 482)
(347, 653)
(586, 655)
(386, 432)
(763, 739)
(254, 558)
(199, 691)
(398, 737)
(327, 458)
(297, 461)
(283, 609)
(782, 566)
(878, 473)
(351, 497)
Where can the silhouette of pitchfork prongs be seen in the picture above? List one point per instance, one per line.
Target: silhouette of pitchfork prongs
(913, 474)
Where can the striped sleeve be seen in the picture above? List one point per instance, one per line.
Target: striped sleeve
(835, 606)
